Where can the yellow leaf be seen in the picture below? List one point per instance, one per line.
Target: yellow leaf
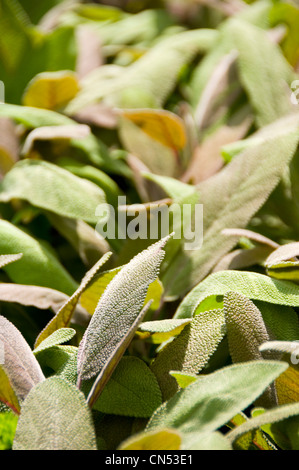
(51, 90)
(287, 386)
(163, 126)
(7, 394)
(91, 295)
(164, 439)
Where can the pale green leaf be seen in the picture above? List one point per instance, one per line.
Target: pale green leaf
(7, 259)
(38, 265)
(230, 199)
(161, 330)
(63, 335)
(214, 399)
(20, 365)
(55, 416)
(253, 285)
(246, 331)
(149, 80)
(117, 310)
(49, 187)
(190, 351)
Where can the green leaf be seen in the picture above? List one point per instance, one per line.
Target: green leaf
(161, 330)
(148, 81)
(55, 416)
(289, 15)
(252, 440)
(38, 265)
(63, 335)
(259, 59)
(230, 199)
(214, 399)
(52, 133)
(64, 315)
(62, 360)
(246, 331)
(132, 390)
(8, 424)
(49, 187)
(118, 308)
(7, 259)
(205, 441)
(274, 415)
(113, 359)
(183, 378)
(190, 351)
(253, 285)
(20, 365)
(34, 117)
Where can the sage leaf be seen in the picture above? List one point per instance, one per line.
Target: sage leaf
(20, 365)
(117, 310)
(55, 416)
(49, 187)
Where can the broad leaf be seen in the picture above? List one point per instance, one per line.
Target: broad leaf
(40, 297)
(246, 331)
(117, 310)
(161, 330)
(38, 265)
(191, 350)
(49, 187)
(214, 399)
(51, 90)
(63, 335)
(230, 199)
(132, 390)
(50, 133)
(7, 259)
(164, 439)
(253, 285)
(55, 416)
(20, 365)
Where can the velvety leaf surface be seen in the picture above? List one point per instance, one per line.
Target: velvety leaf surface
(49, 187)
(19, 364)
(132, 390)
(117, 310)
(215, 398)
(55, 416)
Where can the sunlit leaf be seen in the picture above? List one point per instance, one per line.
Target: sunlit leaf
(51, 90)
(55, 416)
(164, 439)
(20, 365)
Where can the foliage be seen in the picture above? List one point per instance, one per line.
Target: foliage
(117, 339)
